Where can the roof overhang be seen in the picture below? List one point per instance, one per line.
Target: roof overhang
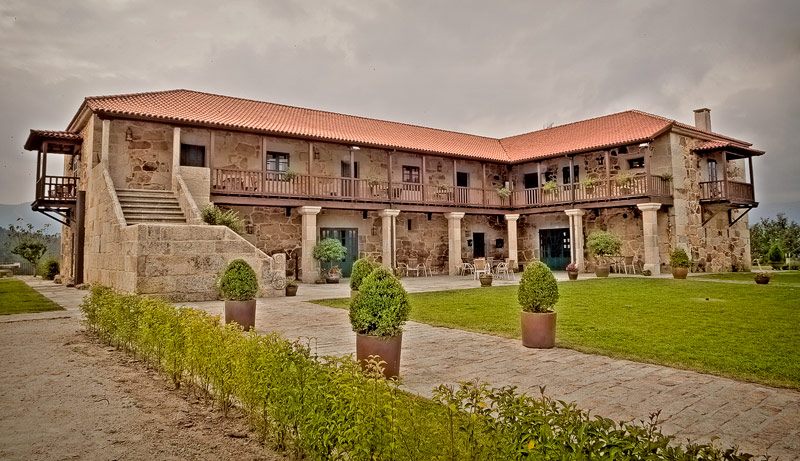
(731, 150)
(58, 142)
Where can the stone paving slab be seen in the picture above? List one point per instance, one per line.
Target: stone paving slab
(694, 406)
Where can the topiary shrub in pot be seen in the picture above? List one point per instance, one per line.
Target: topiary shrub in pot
(572, 271)
(361, 269)
(326, 252)
(377, 314)
(603, 244)
(775, 257)
(537, 294)
(239, 285)
(680, 263)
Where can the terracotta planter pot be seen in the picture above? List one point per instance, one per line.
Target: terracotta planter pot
(680, 272)
(573, 275)
(332, 278)
(538, 329)
(241, 312)
(388, 349)
(602, 271)
(486, 280)
(291, 290)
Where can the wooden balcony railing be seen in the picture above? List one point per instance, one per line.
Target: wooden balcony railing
(730, 191)
(57, 188)
(280, 185)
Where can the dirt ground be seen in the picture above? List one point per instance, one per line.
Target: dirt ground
(73, 398)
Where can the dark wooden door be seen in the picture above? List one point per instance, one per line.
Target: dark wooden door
(478, 245)
(349, 238)
(554, 247)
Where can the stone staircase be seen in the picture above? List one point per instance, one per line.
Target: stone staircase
(150, 206)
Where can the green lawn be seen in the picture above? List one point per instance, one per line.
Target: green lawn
(778, 277)
(744, 331)
(16, 297)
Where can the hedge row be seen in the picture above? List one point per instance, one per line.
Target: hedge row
(327, 408)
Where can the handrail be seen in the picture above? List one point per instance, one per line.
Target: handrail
(62, 188)
(721, 190)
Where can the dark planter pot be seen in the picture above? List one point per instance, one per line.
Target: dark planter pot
(538, 329)
(332, 278)
(486, 280)
(291, 290)
(241, 312)
(777, 267)
(680, 272)
(762, 280)
(386, 350)
(602, 271)
(573, 275)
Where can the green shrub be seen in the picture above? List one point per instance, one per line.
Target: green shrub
(381, 306)
(775, 255)
(601, 244)
(49, 268)
(361, 269)
(538, 290)
(679, 258)
(218, 217)
(327, 408)
(239, 281)
(327, 251)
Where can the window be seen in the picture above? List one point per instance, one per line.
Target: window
(549, 176)
(462, 179)
(565, 172)
(411, 174)
(192, 155)
(636, 162)
(531, 180)
(277, 161)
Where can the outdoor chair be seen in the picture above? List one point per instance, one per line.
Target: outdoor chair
(425, 264)
(629, 263)
(464, 268)
(412, 268)
(502, 269)
(481, 268)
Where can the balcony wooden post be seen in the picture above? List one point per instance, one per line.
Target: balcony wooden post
(390, 191)
(752, 178)
(263, 166)
(572, 178)
(44, 168)
(39, 174)
(483, 184)
(608, 172)
(424, 179)
(725, 175)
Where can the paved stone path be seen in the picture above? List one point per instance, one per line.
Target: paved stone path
(695, 406)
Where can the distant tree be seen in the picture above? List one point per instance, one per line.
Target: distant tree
(769, 232)
(29, 244)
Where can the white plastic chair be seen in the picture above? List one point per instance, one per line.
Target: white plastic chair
(480, 268)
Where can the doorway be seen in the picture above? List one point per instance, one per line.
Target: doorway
(348, 186)
(349, 238)
(478, 245)
(462, 187)
(554, 247)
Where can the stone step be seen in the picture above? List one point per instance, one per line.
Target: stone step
(152, 211)
(133, 206)
(145, 194)
(139, 218)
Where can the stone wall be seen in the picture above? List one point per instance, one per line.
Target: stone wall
(425, 241)
(626, 223)
(145, 162)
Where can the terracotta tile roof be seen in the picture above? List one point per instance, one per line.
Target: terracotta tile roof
(203, 108)
(194, 107)
(35, 138)
(708, 146)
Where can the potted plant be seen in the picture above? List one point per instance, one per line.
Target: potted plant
(291, 288)
(377, 314)
(289, 175)
(326, 252)
(239, 285)
(504, 192)
(680, 263)
(550, 186)
(775, 257)
(572, 271)
(603, 244)
(361, 269)
(590, 183)
(537, 294)
(624, 180)
(486, 279)
(763, 277)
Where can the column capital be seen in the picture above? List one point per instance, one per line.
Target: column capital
(649, 206)
(575, 212)
(304, 210)
(511, 217)
(389, 212)
(454, 215)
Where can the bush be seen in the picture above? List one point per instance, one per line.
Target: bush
(775, 255)
(327, 251)
(239, 281)
(381, 306)
(679, 258)
(218, 217)
(361, 269)
(49, 269)
(602, 244)
(538, 290)
(327, 408)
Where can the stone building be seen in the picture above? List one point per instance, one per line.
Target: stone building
(138, 169)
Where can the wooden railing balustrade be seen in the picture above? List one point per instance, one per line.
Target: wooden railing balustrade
(721, 190)
(57, 188)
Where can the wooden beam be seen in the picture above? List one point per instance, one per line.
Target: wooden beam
(608, 171)
(752, 178)
(725, 175)
(424, 179)
(211, 142)
(310, 158)
(572, 178)
(483, 183)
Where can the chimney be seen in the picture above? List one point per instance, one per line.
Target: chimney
(702, 119)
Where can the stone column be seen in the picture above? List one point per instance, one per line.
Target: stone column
(576, 236)
(104, 144)
(308, 231)
(388, 233)
(176, 152)
(511, 224)
(454, 241)
(650, 224)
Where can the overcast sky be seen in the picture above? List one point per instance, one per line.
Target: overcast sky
(488, 68)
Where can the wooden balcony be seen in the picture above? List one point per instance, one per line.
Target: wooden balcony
(57, 190)
(279, 189)
(736, 192)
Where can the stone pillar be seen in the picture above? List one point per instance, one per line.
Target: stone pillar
(388, 233)
(650, 224)
(308, 239)
(511, 224)
(104, 143)
(576, 236)
(176, 151)
(454, 241)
